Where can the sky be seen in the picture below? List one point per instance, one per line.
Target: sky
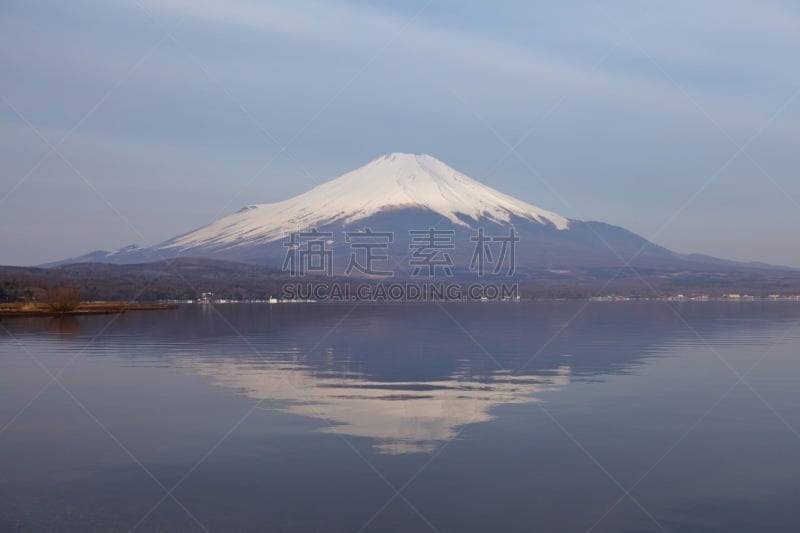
(133, 121)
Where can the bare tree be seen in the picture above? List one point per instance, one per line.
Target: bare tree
(63, 299)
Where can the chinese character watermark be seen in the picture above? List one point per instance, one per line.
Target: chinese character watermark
(372, 244)
(430, 251)
(307, 252)
(484, 253)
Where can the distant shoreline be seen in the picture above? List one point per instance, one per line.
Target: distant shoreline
(87, 308)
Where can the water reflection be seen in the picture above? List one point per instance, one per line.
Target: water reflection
(401, 380)
(400, 417)
(64, 326)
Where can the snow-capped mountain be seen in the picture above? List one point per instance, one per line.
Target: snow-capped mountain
(399, 193)
(392, 182)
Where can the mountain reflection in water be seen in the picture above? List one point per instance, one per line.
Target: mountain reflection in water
(400, 417)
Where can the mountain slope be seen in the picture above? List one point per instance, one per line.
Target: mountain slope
(398, 193)
(392, 182)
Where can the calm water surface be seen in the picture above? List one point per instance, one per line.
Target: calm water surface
(560, 416)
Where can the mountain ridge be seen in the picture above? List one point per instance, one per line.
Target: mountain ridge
(399, 192)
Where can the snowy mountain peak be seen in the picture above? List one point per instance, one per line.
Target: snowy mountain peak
(393, 181)
(420, 180)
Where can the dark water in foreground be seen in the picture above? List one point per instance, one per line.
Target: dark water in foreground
(462, 417)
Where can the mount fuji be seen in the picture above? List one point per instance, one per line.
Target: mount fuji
(399, 192)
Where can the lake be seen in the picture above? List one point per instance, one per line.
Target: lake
(525, 416)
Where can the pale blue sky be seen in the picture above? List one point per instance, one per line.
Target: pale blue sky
(176, 112)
